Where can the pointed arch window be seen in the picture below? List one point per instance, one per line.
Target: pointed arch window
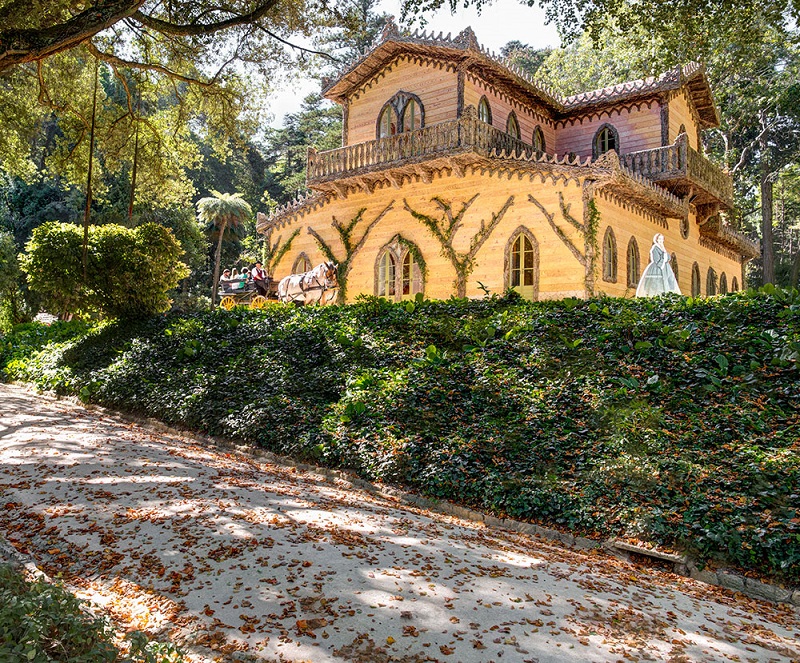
(484, 110)
(695, 280)
(609, 256)
(522, 263)
(734, 285)
(538, 140)
(512, 125)
(633, 263)
(723, 284)
(673, 261)
(711, 282)
(398, 273)
(301, 264)
(606, 139)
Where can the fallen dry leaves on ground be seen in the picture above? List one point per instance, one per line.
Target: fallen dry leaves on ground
(231, 556)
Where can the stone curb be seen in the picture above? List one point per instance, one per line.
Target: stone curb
(681, 565)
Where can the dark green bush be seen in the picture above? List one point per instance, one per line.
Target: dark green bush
(672, 420)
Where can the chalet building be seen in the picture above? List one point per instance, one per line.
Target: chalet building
(459, 174)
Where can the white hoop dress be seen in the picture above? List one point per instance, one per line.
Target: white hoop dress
(658, 277)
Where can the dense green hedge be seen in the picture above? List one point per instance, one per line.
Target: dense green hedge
(673, 420)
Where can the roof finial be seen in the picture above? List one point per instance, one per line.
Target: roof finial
(390, 29)
(468, 39)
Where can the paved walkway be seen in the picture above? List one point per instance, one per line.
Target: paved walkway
(249, 559)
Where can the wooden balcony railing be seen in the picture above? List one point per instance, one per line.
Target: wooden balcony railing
(443, 138)
(680, 162)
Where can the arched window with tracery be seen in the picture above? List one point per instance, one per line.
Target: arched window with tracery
(522, 263)
(734, 285)
(301, 264)
(484, 110)
(633, 263)
(403, 112)
(695, 280)
(723, 284)
(711, 282)
(609, 256)
(398, 273)
(538, 140)
(512, 125)
(606, 139)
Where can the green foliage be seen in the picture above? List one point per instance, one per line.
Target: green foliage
(670, 419)
(42, 623)
(129, 271)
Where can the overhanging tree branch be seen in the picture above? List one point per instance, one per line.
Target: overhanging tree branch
(29, 45)
(199, 29)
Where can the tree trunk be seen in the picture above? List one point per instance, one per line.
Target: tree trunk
(795, 270)
(767, 242)
(88, 209)
(461, 286)
(217, 258)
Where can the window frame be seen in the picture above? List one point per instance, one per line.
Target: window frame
(633, 266)
(695, 280)
(302, 256)
(398, 254)
(513, 119)
(610, 256)
(538, 133)
(711, 282)
(533, 288)
(607, 126)
(398, 105)
(484, 103)
(723, 284)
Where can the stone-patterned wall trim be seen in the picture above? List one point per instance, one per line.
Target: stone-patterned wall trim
(630, 206)
(435, 63)
(710, 244)
(590, 116)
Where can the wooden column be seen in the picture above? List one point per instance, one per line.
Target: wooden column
(664, 103)
(345, 120)
(460, 92)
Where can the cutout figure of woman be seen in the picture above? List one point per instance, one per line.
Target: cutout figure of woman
(658, 277)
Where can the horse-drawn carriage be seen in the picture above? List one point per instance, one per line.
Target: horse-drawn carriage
(318, 286)
(244, 293)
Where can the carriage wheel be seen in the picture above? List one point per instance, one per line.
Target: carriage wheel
(259, 301)
(227, 303)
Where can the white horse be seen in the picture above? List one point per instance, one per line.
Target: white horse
(319, 286)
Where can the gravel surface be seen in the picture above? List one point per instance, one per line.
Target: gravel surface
(244, 560)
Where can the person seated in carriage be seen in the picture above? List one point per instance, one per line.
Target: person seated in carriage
(260, 279)
(225, 281)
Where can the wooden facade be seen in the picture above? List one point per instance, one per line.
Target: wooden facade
(459, 174)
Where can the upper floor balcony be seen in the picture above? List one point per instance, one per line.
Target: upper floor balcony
(677, 168)
(684, 171)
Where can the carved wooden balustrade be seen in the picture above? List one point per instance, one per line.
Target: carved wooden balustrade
(444, 138)
(680, 163)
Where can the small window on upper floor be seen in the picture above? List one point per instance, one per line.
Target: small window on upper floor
(605, 139)
(387, 124)
(485, 111)
(512, 125)
(412, 116)
(538, 140)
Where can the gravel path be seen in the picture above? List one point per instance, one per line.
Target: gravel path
(254, 561)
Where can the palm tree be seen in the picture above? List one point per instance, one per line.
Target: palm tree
(221, 210)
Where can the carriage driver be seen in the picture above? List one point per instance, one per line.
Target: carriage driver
(260, 279)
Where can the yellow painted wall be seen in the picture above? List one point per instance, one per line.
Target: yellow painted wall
(436, 88)
(627, 223)
(680, 113)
